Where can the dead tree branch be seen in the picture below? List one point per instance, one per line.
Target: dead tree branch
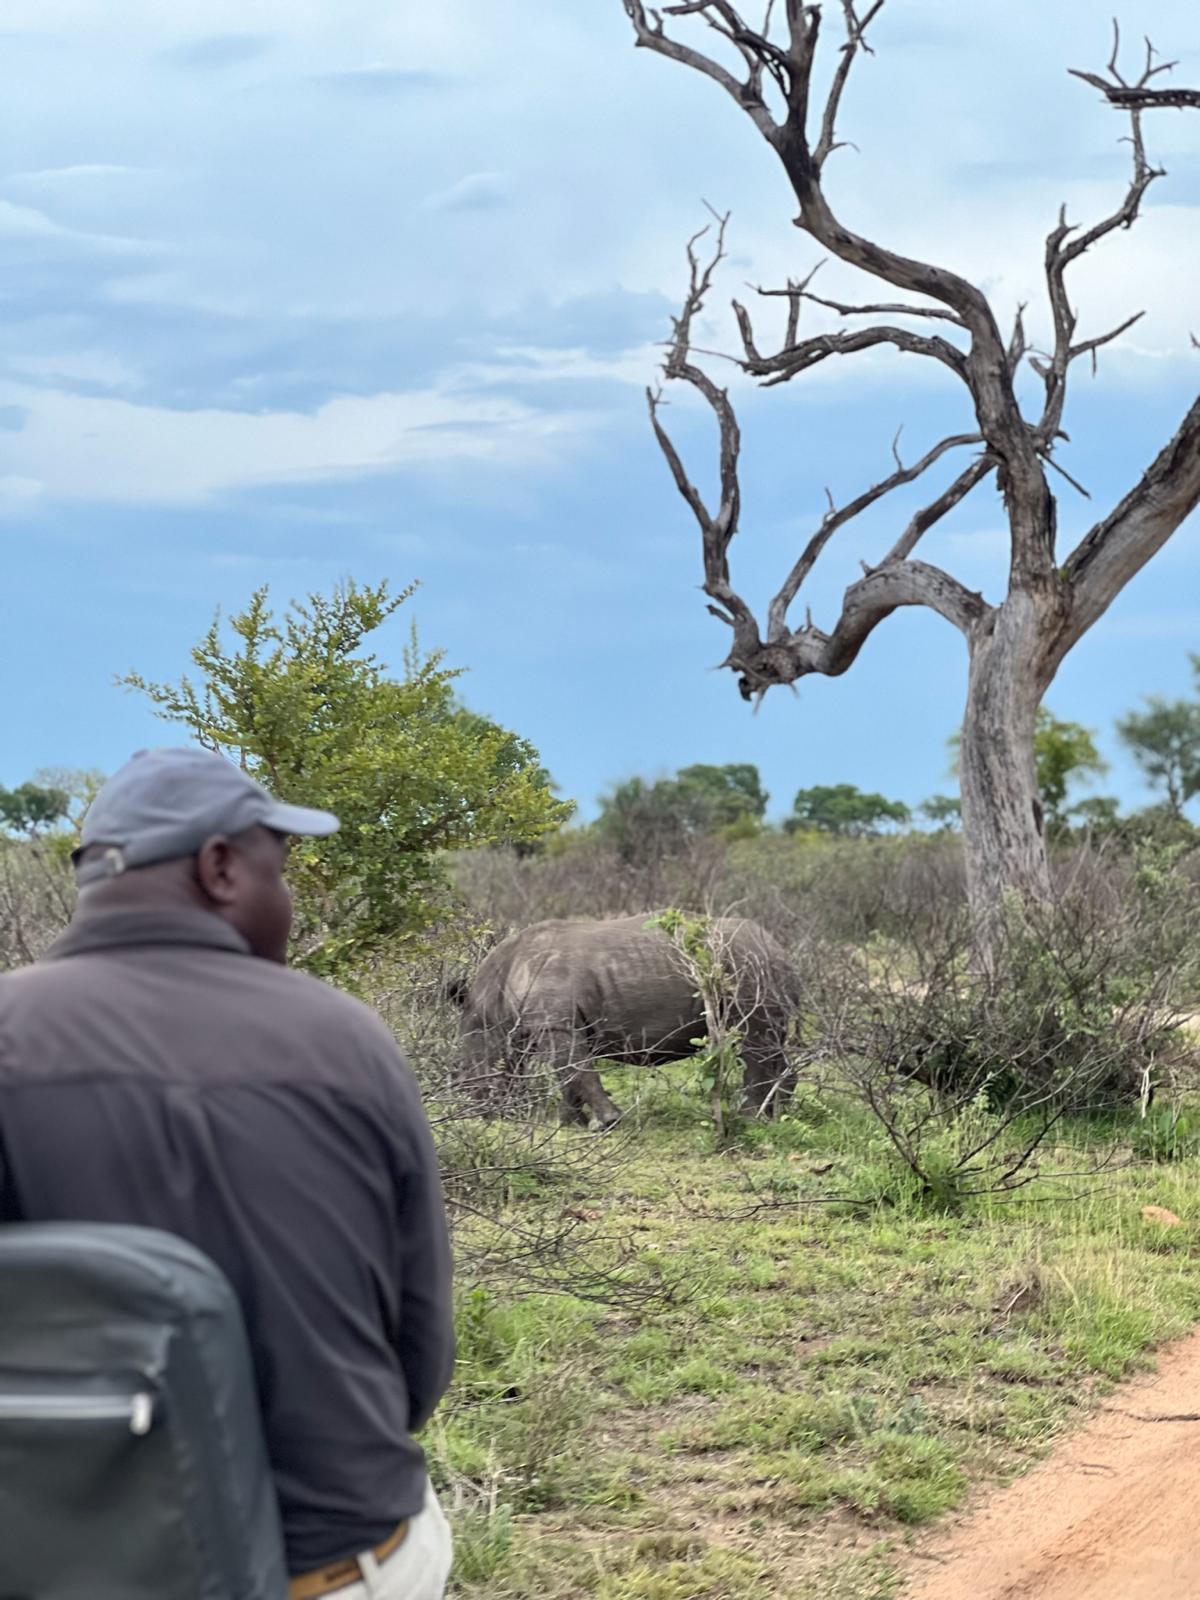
(1062, 250)
(717, 528)
(941, 507)
(855, 42)
(1139, 96)
(983, 368)
(801, 292)
(1132, 99)
(865, 605)
(802, 354)
(836, 518)
(650, 34)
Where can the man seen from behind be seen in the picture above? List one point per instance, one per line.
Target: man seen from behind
(162, 1066)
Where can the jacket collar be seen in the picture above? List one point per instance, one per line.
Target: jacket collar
(124, 930)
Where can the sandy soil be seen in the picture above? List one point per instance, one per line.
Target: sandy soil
(1112, 1514)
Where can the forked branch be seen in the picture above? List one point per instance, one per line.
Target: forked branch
(1117, 548)
(1142, 95)
(792, 359)
(801, 292)
(1066, 244)
(837, 517)
(717, 527)
(747, 92)
(855, 42)
(787, 655)
(865, 605)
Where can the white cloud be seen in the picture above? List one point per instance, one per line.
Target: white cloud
(80, 173)
(177, 290)
(25, 225)
(23, 222)
(18, 494)
(610, 148)
(98, 367)
(478, 191)
(537, 364)
(107, 449)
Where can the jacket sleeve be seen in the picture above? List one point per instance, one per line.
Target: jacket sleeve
(425, 1336)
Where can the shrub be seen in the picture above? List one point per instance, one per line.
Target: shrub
(969, 1070)
(304, 707)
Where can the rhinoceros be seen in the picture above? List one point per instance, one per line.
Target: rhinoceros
(568, 993)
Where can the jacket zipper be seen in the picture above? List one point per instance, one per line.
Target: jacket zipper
(136, 1409)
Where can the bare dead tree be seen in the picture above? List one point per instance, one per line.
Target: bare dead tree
(1017, 644)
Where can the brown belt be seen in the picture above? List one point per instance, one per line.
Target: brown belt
(341, 1574)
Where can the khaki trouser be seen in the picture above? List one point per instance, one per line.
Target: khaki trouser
(418, 1570)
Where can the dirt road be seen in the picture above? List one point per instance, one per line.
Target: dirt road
(1113, 1514)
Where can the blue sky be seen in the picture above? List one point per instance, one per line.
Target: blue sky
(306, 290)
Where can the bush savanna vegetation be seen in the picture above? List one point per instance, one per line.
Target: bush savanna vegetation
(706, 1356)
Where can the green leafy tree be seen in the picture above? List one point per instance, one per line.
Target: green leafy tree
(1063, 753)
(32, 808)
(47, 813)
(842, 809)
(1098, 814)
(1164, 740)
(647, 821)
(717, 797)
(943, 810)
(643, 821)
(309, 712)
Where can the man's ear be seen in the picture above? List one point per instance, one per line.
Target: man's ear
(216, 870)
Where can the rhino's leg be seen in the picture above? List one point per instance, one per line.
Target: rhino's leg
(768, 1080)
(573, 1108)
(592, 1091)
(569, 1052)
(482, 1079)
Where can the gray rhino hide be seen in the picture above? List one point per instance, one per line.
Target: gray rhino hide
(569, 992)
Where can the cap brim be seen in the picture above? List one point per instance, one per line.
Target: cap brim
(301, 820)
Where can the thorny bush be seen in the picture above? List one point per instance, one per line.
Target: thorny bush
(969, 1070)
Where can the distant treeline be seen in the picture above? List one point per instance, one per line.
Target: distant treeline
(641, 817)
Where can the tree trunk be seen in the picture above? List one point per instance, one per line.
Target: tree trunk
(1001, 812)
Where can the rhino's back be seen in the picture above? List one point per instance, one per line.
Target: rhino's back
(751, 949)
(622, 977)
(586, 963)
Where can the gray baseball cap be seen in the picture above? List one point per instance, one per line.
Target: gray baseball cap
(163, 804)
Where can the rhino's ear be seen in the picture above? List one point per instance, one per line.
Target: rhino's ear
(456, 988)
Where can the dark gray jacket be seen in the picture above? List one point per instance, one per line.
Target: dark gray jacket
(153, 1071)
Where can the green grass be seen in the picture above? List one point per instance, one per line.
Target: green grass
(826, 1378)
